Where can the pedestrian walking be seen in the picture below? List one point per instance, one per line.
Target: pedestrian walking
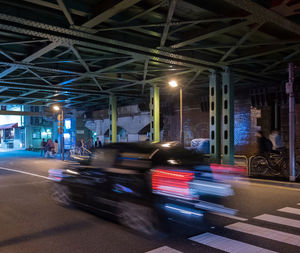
(43, 147)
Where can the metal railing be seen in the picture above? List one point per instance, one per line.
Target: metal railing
(246, 162)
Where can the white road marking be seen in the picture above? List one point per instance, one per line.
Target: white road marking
(279, 220)
(164, 249)
(226, 244)
(21, 184)
(266, 233)
(24, 172)
(290, 210)
(231, 216)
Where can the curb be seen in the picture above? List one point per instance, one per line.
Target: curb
(272, 182)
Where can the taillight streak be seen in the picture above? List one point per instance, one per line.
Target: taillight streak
(173, 183)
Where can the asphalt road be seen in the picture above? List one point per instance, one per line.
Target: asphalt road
(268, 219)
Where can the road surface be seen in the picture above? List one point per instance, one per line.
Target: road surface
(268, 219)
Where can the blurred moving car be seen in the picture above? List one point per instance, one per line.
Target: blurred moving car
(142, 184)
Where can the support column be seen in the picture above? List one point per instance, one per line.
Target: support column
(290, 92)
(228, 117)
(154, 114)
(112, 118)
(276, 115)
(214, 117)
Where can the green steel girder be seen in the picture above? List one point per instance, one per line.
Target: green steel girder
(154, 114)
(215, 117)
(227, 117)
(131, 48)
(262, 14)
(113, 118)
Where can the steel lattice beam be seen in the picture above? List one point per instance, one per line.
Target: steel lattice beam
(65, 11)
(105, 15)
(31, 58)
(167, 26)
(131, 49)
(211, 34)
(262, 14)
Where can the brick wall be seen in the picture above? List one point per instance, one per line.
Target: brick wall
(248, 120)
(195, 125)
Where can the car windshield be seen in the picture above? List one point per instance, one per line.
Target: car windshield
(177, 156)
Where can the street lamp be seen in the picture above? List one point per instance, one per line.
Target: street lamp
(61, 130)
(174, 84)
(56, 108)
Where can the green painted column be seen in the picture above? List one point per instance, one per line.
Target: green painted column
(214, 117)
(227, 117)
(113, 118)
(154, 114)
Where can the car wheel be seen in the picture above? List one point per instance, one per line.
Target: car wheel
(61, 195)
(138, 217)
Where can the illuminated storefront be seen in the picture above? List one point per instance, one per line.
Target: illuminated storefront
(12, 133)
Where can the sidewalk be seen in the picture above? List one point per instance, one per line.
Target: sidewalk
(6, 153)
(272, 182)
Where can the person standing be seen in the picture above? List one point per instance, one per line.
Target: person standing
(43, 147)
(49, 148)
(264, 144)
(276, 140)
(90, 144)
(82, 146)
(55, 146)
(98, 143)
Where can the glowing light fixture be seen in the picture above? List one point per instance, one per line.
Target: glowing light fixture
(56, 108)
(173, 83)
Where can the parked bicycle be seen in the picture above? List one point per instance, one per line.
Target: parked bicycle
(273, 164)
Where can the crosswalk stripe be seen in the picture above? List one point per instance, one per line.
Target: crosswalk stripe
(226, 244)
(164, 249)
(279, 220)
(266, 233)
(290, 210)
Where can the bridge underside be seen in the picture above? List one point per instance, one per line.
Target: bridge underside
(78, 53)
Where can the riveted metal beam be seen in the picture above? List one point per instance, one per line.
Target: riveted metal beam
(64, 9)
(146, 12)
(227, 117)
(145, 73)
(105, 15)
(262, 14)
(154, 114)
(167, 26)
(241, 41)
(262, 53)
(32, 57)
(215, 116)
(150, 80)
(113, 118)
(28, 93)
(211, 34)
(56, 7)
(20, 113)
(132, 49)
